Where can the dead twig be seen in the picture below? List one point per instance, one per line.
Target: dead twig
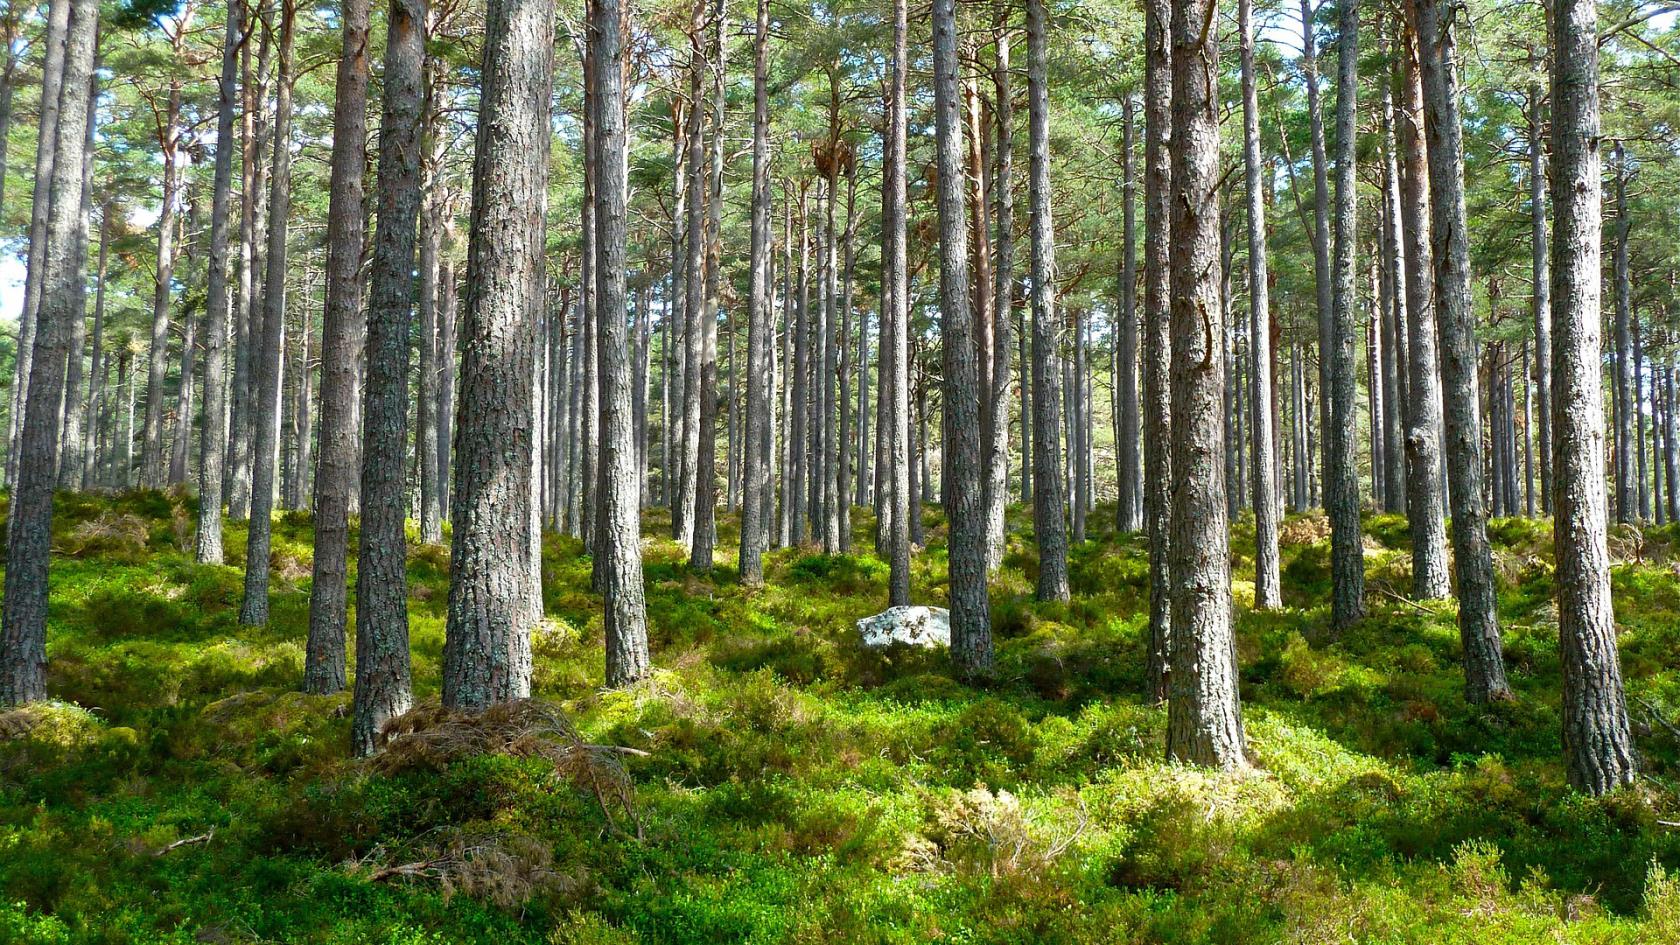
(186, 842)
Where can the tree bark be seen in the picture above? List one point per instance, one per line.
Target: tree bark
(1049, 525)
(265, 413)
(971, 631)
(1478, 619)
(1003, 295)
(46, 143)
(704, 525)
(760, 386)
(213, 441)
(1204, 715)
(95, 448)
(1598, 748)
(487, 647)
(1322, 283)
(626, 608)
(23, 622)
(682, 519)
(1157, 338)
(343, 323)
(1267, 591)
(73, 460)
(1425, 488)
(1129, 484)
(1542, 286)
(1623, 388)
(895, 284)
(1341, 471)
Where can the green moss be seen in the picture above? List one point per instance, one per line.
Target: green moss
(798, 787)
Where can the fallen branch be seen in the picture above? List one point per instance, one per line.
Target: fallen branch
(186, 842)
(1426, 611)
(424, 868)
(1657, 717)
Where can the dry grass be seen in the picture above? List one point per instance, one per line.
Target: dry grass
(111, 533)
(430, 737)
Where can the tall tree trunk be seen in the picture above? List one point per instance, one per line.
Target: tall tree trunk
(1204, 715)
(383, 688)
(1425, 487)
(1157, 338)
(1129, 482)
(971, 630)
(1267, 592)
(179, 453)
(95, 451)
(704, 526)
(434, 142)
(342, 326)
(46, 144)
(1542, 282)
(682, 519)
(247, 331)
(1341, 469)
(1624, 345)
(1478, 619)
(213, 442)
(1079, 414)
(1671, 450)
(1322, 283)
(153, 470)
(23, 623)
(446, 345)
(73, 460)
(1639, 419)
(9, 29)
(843, 443)
(1049, 526)
(487, 647)
(1394, 263)
(265, 413)
(1003, 298)
(760, 387)
(895, 285)
(1598, 748)
(626, 609)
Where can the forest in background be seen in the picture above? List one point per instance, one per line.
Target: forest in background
(1281, 400)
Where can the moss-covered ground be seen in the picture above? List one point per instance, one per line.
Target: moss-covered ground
(788, 786)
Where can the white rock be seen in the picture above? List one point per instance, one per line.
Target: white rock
(912, 626)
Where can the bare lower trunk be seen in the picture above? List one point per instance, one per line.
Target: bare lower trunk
(267, 344)
(46, 145)
(341, 334)
(895, 349)
(704, 525)
(1341, 470)
(1542, 282)
(1157, 339)
(1049, 526)
(971, 631)
(1478, 620)
(487, 647)
(1598, 748)
(759, 381)
(214, 435)
(23, 625)
(626, 608)
(1425, 489)
(1129, 481)
(1267, 592)
(1204, 715)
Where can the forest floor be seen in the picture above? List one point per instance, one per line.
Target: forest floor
(789, 786)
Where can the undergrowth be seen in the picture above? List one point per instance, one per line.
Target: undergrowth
(776, 782)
